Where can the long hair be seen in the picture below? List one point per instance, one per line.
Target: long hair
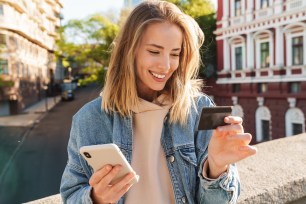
(120, 91)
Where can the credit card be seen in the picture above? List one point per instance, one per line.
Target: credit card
(213, 117)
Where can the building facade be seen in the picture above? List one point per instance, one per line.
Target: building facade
(262, 65)
(27, 61)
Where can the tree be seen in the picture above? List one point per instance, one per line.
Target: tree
(203, 12)
(85, 44)
(195, 8)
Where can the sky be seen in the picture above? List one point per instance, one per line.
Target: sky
(78, 9)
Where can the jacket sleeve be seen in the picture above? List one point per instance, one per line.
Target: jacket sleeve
(224, 189)
(74, 184)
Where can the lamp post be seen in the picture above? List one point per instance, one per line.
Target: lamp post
(45, 87)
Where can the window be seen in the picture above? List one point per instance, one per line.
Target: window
(3, 66)
(297, 128)
(295, 121)
(238, 57)
(264, 4)
(265, 129)
(294, 87)
(262, 88)
(297, 50)
(2, 39)
(263, 123)
(1, 10)
(264, 54)
(237, 7)
(236, 88)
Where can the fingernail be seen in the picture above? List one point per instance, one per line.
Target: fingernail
(108, 167)
(226, 119)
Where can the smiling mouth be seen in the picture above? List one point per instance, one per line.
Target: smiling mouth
(159, 76)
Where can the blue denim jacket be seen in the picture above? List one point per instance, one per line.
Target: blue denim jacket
(91, 126)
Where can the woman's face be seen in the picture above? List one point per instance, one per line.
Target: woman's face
(157, 57)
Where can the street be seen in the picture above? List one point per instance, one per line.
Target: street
(36, 168)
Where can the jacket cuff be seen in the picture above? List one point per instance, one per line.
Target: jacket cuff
(222, 181)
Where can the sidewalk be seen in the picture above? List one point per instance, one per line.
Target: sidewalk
(31, 114)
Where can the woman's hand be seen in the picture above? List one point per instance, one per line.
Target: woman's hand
(102, 191)
(229, 144)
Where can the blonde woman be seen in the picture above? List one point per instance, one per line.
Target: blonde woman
(150, 108)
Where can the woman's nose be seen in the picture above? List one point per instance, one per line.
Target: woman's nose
(164, 63)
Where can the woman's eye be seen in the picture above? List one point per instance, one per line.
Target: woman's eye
(175, 55)
(153, 52)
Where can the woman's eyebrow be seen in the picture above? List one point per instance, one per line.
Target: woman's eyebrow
(161, 47)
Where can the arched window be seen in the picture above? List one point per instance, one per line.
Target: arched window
(237, 111)
(264, 49)
(295, 44)
(263, 124)
(237, 45)
(295, 122)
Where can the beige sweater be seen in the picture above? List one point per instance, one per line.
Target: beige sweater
(148, 159)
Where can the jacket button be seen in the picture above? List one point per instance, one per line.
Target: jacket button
(184, 200)
(165, 119)
(171, 159)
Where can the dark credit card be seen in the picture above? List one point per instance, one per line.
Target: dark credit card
(213, 117)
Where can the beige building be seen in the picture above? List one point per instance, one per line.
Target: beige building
(27, 61)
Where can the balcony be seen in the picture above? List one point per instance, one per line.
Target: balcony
(273, 74)
(295, 4)
(276, 174)
(236, 20)
(264, 13)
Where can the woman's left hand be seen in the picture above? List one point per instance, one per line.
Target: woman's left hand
(228, 144)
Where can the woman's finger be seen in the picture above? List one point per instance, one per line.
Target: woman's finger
(232, 129)
(243, 138)
(123, 191)
(233, 120)
(123, 182)
(248, 150)
(110, 176)
(99, 175)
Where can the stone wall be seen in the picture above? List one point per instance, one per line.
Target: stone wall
(276, 174)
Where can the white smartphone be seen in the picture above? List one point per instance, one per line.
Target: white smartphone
(98, 156)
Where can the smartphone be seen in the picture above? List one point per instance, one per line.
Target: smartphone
(98, 156)
(213, 117)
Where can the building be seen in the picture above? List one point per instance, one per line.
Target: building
(27, 61)
(261, 64)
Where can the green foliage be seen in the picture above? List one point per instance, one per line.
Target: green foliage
(6, 83)
(203, 12)
(209, 48)
(195, 8)
(86, 44)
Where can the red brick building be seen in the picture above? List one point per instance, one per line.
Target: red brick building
(261, 52)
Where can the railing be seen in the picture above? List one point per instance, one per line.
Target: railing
(264, 13)
(295, 4)
(272, 74)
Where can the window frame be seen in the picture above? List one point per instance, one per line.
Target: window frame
(267, 49)
(262, 113)
(233, 56)
(300, 47)
(1, 9)
(262, 5)
(237, 11)
(4, 70)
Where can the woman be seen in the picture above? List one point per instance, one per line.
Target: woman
(150, 108)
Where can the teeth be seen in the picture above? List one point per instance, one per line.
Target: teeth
(158, 76)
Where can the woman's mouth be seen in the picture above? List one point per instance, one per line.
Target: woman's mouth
(159, 76)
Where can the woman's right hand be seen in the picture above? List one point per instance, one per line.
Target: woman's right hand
(102, 192)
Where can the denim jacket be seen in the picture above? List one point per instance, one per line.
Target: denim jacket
(185, 150)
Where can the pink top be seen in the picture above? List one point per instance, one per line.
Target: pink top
(148, 159)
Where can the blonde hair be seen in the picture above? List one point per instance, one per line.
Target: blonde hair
(120, 91)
